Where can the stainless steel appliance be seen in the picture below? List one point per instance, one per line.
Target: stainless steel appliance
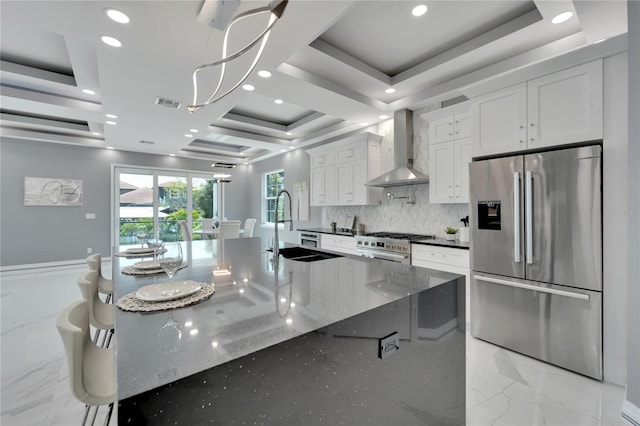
(391, 246)
(309, 239)
(536, 247)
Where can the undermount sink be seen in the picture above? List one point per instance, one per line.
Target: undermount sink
(305, 255)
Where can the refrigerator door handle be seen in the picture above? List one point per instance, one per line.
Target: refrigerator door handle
(516, 217)
(529, 216)
(571, 294)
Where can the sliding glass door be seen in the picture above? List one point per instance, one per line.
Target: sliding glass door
(153, 201)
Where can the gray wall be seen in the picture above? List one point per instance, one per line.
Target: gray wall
(33, 235)
(633, 345)
(296, 168)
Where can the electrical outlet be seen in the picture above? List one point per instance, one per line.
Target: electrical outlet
(388, 345)
(89, 250)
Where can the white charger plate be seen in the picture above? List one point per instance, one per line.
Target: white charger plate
(167, 291)
(140, 250)
(150, 264)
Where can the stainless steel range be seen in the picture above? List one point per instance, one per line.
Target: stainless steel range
(392, 246)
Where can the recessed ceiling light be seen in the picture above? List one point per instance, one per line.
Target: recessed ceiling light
(292, 147)
(113, 123)
(188, 135)
(288, 133)
(111, 41)
(419, 10)
(600, 41)
(172, 155)
(117, 16)
(88, 91)
(383, 117)
(390, 90)
(562, 17)
(95, 133)
(194, 130)
(264, 73)
(111, 116)
(283, 150)
(364, 123)
(278, 101)
(248, 87)
(245, 163)
(109, 147)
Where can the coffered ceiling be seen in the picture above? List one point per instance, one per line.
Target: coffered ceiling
(330, 64)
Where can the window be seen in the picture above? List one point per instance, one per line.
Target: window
(273, 182)
(156, 200)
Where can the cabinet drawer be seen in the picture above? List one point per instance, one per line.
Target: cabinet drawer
(440, 255)
(338, 243)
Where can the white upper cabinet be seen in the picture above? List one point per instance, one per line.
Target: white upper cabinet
(560, 108)
(565, 107)
(449, 154)
(340, 170)
(449, 128)
(498, 121)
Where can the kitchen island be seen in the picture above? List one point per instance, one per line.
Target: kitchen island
(290, 342)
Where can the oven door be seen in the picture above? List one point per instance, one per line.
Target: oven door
(309, 239)
(384, 255)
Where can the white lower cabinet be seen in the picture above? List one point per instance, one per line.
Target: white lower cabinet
(446, 259)
(339, 243)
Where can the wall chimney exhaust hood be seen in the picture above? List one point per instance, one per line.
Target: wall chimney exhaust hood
(403, 172)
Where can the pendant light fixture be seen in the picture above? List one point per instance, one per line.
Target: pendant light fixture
(275, 10)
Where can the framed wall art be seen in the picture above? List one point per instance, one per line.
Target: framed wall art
(42, 191)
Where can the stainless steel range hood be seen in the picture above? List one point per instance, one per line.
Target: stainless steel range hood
(403, 172)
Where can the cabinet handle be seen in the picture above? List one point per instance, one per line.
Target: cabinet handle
(532, 132)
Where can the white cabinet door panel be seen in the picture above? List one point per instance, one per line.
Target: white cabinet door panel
(441, 166)
(565, 107)
(462, 156)
(499, 120)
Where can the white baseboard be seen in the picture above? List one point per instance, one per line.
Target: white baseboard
(31, 266)
(631, 412)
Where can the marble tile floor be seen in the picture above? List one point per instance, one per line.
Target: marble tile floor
(503, 388)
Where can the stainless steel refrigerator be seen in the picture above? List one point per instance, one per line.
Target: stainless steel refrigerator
(536, 246)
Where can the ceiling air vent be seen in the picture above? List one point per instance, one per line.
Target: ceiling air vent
(167, 103)
(223, 165)
(147, 142)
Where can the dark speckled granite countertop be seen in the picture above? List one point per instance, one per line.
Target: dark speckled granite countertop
(444, 243)
(247, 312)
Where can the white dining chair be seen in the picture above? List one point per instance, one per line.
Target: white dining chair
(248, 227)
(92, 372)
(186, 233)
(100, 314)
(229, 229)
(105, 285)
(207, 228)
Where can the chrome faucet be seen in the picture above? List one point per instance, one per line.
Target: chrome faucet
(276, 244)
